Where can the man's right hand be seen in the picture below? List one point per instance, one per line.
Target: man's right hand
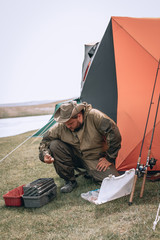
(48, 159)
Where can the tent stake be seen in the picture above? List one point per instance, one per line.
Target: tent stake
(149, 151)
(139, 158)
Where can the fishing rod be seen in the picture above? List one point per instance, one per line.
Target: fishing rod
(149, 152)
(139, 158)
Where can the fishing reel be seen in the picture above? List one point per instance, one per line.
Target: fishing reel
(152, 162)
(142, 168)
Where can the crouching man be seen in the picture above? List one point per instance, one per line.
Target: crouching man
(83, 137)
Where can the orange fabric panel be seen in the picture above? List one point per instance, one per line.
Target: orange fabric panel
(136, 70)
(146, 31)
(131, 160)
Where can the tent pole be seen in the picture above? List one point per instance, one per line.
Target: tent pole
(139, 158)
(15, 149)
(149, 151)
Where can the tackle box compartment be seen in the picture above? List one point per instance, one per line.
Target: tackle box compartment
(39, 192)
(38, 187)
(14, 197)
(39, 201)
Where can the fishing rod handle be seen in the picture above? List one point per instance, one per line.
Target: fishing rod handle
(143, 183)
(145, 174)
(133, 189)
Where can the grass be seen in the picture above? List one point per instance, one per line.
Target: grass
(68, 216)
(30, 110)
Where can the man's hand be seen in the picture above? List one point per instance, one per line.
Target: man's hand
(48, 159)
(103, 164)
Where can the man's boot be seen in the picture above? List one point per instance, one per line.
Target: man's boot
(69, 186)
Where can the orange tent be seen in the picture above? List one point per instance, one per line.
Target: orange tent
(120, 82)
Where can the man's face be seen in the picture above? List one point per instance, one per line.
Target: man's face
(75, 123)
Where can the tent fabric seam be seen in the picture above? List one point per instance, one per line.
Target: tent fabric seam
(133, 38)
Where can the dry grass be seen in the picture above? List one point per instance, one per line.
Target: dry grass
(31, 110)
(68, 216)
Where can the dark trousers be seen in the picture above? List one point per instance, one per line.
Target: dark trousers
(67, 159)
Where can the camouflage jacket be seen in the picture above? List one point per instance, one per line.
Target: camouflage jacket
(99, 137)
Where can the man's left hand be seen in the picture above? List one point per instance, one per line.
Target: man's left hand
(103, 164)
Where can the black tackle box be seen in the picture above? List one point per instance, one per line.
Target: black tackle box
(39, 192)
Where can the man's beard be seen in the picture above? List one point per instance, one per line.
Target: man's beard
(78, 128)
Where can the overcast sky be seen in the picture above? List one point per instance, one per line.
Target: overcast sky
(42, 43)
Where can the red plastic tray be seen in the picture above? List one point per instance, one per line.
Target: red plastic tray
(14, 197)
